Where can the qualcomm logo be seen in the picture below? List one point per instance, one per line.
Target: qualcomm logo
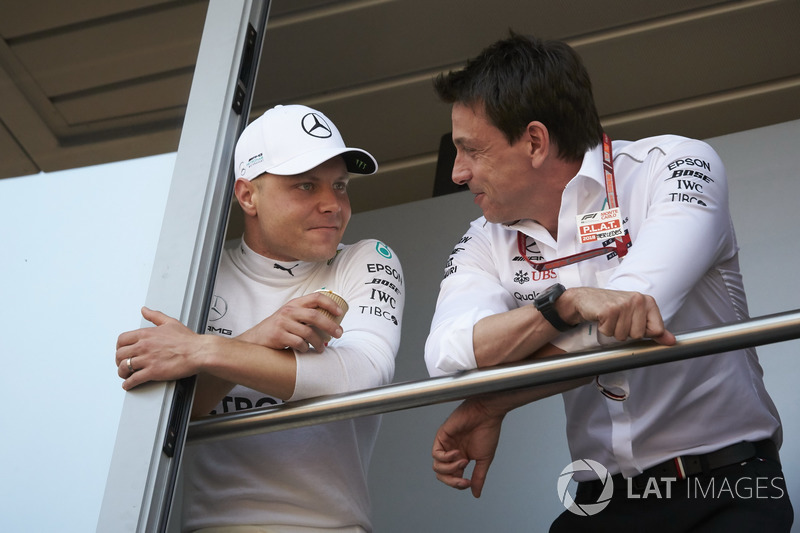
(585, 509)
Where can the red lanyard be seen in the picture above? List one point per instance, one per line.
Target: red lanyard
(621, 244)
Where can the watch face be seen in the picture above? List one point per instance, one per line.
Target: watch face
(550, 294)
(545, 303)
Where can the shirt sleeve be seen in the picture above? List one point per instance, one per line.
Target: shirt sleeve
(370, 279)
(470, 291)
(687, 228)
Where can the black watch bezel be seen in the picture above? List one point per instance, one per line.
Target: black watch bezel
(545, 304)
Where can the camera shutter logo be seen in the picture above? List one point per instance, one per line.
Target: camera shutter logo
(585, 509)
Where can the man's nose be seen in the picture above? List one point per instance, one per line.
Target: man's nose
(461, 172)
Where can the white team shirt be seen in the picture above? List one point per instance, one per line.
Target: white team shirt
(311, 477)
(673, 196)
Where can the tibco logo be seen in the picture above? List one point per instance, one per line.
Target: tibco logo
(585, 509)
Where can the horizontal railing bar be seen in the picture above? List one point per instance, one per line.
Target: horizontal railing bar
(395, 397)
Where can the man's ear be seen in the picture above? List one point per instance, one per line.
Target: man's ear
(539, 138)
(245, 191)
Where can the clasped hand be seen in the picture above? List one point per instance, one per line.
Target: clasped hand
(298, 325)
(172, 351)
(620, 314)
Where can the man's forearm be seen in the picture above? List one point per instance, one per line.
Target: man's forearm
(225, 362)
(510, 336)
(209, 391)
(500, 403)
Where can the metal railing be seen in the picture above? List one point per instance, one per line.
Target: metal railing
(753, 332)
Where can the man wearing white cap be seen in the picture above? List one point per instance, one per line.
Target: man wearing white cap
(272, 343)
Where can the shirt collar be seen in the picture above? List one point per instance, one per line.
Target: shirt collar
(591, 170)
(264, 267)
(591, 167)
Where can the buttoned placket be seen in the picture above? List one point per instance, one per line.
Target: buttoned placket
(583, 194)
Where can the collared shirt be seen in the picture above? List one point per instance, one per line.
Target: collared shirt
(673, 197)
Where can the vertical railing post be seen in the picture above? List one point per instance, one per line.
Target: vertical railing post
(154, 417)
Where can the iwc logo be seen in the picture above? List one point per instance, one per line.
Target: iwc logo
(585, 509)
(315, 125)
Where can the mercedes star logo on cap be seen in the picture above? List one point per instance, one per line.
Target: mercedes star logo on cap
(315, 125)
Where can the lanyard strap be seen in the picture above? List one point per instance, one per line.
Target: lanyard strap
(621, 243)
(608, 171)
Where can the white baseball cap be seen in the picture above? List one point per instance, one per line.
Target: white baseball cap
(292, 139)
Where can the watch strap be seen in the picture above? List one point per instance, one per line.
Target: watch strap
(545, 303)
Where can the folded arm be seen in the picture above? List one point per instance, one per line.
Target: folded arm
(262, 358)
(285, 355)
(516, 334)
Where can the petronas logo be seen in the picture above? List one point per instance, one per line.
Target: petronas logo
(383, 250)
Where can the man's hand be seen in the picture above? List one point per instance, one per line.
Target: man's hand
(619, 314)
(166, 352)
(470, 433)
(297, 324)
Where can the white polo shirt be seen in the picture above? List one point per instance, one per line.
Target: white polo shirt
(673, 196)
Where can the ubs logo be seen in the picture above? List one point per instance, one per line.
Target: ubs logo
(218, 308)
(316, 126)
